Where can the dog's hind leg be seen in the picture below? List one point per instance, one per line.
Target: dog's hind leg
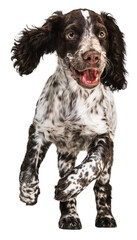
(69, 217)
(102, 191)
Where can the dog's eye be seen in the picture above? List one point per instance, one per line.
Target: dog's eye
(102, 34)
(70, 35)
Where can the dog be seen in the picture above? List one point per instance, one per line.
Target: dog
(76, 109)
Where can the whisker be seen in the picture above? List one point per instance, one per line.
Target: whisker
(109, 64)
(109, 67)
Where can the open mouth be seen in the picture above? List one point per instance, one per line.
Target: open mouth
(88, 78)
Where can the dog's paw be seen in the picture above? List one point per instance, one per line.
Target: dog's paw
(68, 187)
(70, 222)
(105, 221)
(29, 192)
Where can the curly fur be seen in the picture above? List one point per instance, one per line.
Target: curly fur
(115, 79)
(76, 109)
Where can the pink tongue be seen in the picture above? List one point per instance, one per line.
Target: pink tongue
(89, 75)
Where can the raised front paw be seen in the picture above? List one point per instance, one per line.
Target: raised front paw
(29, 192)
(68, 187)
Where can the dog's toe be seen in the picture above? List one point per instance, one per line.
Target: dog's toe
(70, 222)
(29, 193)
(107, 222)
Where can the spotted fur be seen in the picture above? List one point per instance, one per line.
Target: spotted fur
(76, 109)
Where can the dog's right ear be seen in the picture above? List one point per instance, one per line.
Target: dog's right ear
(33, 43)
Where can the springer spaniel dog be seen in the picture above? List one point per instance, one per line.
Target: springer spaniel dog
(76, 109)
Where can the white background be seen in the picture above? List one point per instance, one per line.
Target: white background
(17, 105)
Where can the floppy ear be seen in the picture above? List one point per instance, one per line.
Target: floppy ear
(33, 43)
(115, 78)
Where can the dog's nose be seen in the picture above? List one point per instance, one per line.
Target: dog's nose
(92, 57)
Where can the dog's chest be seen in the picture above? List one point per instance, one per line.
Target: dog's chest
(70, 119)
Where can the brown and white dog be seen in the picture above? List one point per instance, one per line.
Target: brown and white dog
(76, 109)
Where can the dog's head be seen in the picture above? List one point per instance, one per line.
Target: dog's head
(90, 44)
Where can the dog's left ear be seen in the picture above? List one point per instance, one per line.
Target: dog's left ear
(115, 78)
(33, 43)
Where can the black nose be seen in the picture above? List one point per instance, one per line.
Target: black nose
(92, 57)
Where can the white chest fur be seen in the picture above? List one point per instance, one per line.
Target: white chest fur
(68, 113)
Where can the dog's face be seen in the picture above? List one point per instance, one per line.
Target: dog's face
(90, 44)
(83, 46)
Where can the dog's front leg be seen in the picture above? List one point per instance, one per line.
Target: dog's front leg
(36, 150)
(71, 185)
